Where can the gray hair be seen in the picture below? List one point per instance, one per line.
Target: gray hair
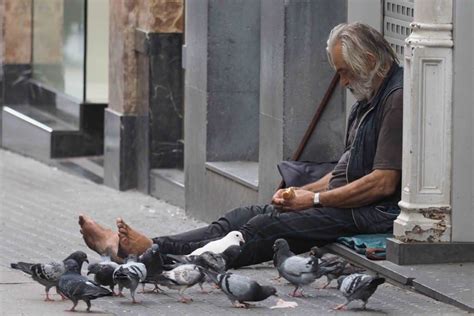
(357, 40)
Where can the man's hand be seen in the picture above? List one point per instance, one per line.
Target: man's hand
(303, 200)
(278, 197)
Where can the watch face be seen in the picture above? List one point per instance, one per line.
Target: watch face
(316, 199)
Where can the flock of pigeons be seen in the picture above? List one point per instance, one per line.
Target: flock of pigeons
(207, 264)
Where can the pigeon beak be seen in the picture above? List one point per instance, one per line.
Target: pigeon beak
(86, 261)
(89, 272)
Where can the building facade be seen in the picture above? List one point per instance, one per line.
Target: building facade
(195, 102)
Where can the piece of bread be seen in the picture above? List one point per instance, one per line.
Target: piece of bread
(289, 193)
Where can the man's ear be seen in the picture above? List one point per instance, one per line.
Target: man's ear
(372, 60)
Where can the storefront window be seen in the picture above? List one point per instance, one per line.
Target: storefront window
(59, 47)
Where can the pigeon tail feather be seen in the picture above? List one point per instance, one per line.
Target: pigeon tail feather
(178, 258)
(213, 275)
(377, 281)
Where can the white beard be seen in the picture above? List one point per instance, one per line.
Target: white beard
(362, 87)
(359, 92)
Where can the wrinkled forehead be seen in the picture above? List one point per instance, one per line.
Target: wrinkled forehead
(337, 58)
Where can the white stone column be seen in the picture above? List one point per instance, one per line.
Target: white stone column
(427, 129)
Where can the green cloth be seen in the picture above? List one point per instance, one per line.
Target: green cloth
(373, 246)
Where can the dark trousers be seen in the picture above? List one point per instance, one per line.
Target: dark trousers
(262, 225)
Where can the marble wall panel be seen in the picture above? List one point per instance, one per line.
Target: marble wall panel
(17, 31)
(166, 101)
(122, 57)
(2, 43)
(161, 16)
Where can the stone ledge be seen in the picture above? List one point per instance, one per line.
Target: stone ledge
(448, 283)
(424, 252)
(243, 172)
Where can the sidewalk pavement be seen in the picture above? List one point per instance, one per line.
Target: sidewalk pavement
(39, 206)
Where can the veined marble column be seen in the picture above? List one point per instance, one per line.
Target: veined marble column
(427, 136)
(134, 25)
(15, 47)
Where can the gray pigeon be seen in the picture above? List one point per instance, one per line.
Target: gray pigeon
(77, 287)
(241, 289)
(213, 261)
(153, 262)
(295, 269)
(181, 278)
(48, 274)
(340, 266)
(103, 272)
(275, 260)
(219, 262)
(129, 275)
(358, 286)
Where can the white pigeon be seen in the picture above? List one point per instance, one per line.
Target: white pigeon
(220, 245)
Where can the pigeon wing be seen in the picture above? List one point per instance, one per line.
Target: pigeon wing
(104, 273)
(77, 287)
(210, 260)
(181, 258)
(48, 274)
(297, 266)
(130, 272)
(137, 270)
(298, 270)
(238, 287)
(187, 274)
(354, 285)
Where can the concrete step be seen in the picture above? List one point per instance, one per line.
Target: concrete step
(243, 172)
(45, 133)
(229, 184)
(168, 185)
(91, 167)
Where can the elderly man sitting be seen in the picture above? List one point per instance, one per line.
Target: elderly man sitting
(358, 196)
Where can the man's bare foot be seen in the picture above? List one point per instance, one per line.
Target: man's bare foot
(102, 240)
(131, 241)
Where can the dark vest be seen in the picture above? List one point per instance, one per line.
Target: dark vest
(364, 145)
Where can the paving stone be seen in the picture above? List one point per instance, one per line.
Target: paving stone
(38, 222)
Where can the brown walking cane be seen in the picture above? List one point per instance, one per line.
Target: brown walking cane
(314, 121)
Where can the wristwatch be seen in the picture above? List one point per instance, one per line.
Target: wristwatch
(316, 199)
